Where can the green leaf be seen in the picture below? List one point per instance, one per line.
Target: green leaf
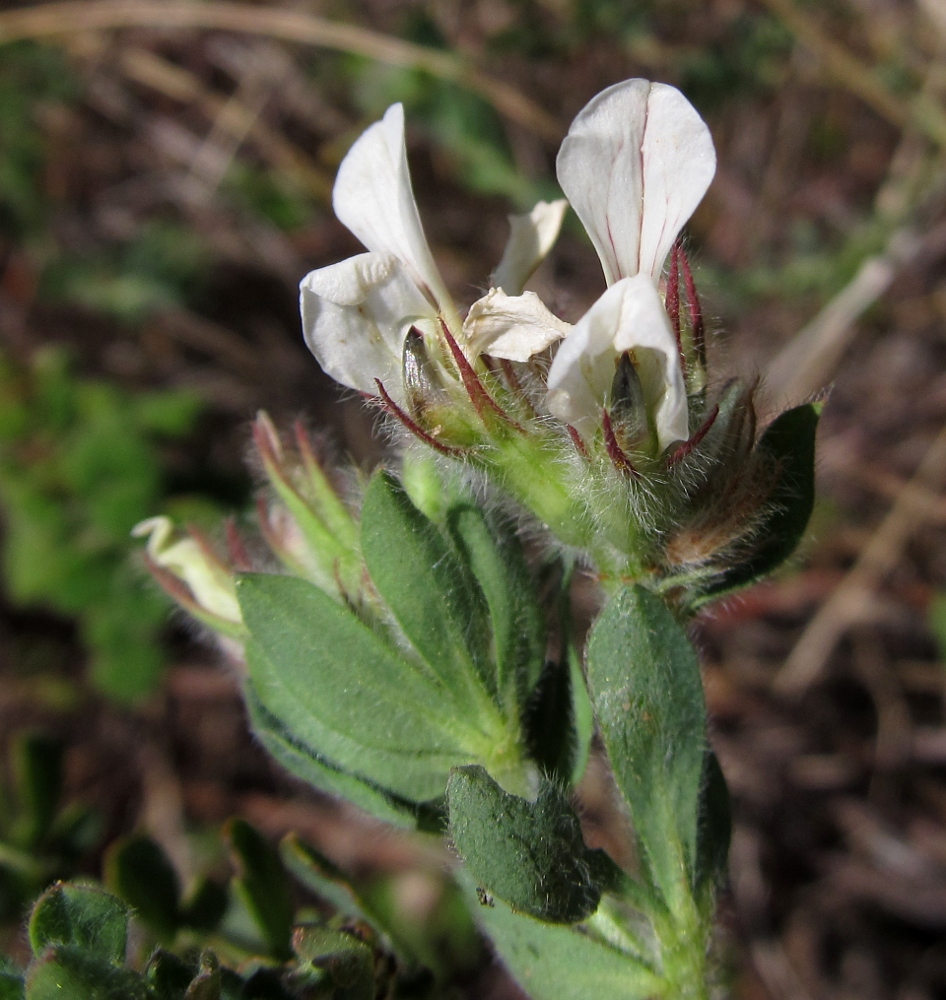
(86, 918)
(530, 854)
(644, 680)
(138, 870)
(168, 976)
(326, 880)
(311, 767)
(72, 972)
(556, 962)
(788, 445)
(493, 554)
(37, 761)
(348, 961)
(339, 689)
(12, 986)
(431, 594)
(262, 884)
(205, 907)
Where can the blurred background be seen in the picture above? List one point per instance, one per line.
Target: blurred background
(165, 181)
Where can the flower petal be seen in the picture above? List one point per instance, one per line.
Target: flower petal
(513, 327)
(373, 197)
(210, 583)
(634, 165)
(531, 236)
(630, 316)
(355, 316)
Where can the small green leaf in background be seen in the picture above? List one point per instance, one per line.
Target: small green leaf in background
(262, 884)
(530, 854)
(205, 907)
(789, 445)
(645, 683)
(138, 870)
(167, 975)
(11, 981)
(37, 764)
(72, 972)
(83, 917)
(347, 961)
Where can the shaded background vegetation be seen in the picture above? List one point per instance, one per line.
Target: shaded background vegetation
(163, 189)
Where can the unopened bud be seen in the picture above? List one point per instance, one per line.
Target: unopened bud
(207, 579)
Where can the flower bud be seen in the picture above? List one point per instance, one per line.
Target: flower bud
(192, 574)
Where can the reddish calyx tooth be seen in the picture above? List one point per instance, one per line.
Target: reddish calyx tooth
(672, 301)
(615, 452)
(414, 428)
(577, 441)
(482, 401)
(688, 446)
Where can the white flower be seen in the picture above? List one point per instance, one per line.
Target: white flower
(356, 314)
(634, 165)
(630, 316)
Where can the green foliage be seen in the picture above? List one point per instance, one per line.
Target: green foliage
(79, 935)
(31, 77)
(138, 870)
(81, 917)
(529, 853)
(262, 884)
(79, 467)
(160, 268)
(645, 685)
(40, 839)
(387, 700)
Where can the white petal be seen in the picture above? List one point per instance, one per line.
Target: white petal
(513, 327)
(630, 316)
(355, 316)
(210, 584)
(531, 237)
(374, 199)
(634, 165)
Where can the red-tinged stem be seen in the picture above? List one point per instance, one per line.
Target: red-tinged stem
(482, 401)
(615, 452)
(417, 431)
(577, 441)
(695, 309)
(688, 446)
(672, 301)
(238, 554)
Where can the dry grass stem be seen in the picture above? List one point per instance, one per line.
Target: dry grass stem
(54, 19)
(852, 599)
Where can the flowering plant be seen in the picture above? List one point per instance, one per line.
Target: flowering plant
(414, 658)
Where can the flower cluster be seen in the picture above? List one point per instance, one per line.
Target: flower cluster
(634, 166)
(603, 430)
